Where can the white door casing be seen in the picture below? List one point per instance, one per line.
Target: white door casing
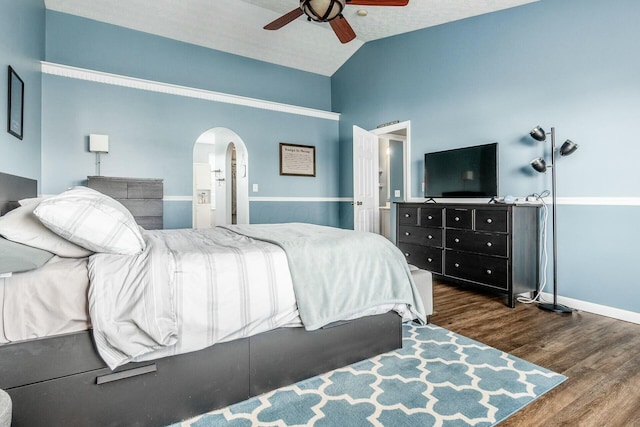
(366, 215)
(221, 139)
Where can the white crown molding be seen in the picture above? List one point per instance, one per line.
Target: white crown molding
(171, 89)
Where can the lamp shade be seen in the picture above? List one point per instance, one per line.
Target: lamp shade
(538, 134)
(539, 164)
(98, 143)
(568, 148)
(322, 10)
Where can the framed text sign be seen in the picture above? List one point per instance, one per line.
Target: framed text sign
(297, 160)
(15, 106)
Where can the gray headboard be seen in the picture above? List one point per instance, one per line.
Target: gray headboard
(14, 188)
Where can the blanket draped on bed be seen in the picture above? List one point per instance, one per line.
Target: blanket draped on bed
(338, 272)
(190, 289)
(187, 290)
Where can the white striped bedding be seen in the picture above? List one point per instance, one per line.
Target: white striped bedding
(187, 290)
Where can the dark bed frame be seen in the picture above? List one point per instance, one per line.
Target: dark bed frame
(62, 381)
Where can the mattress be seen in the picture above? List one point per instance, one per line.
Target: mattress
(53, 300)
(48, 301)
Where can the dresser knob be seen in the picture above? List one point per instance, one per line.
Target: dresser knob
(489, 244)
(407, 215)
(430, 217)
(406, 254)
(406, 233)
(456, 265)
(456, 240)
(489, 220)
(488, 271)
(456, 218)
(430, 259)
(429, 237)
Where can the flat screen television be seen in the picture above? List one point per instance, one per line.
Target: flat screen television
(462, 172)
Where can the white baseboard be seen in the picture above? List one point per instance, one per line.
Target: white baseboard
(602, 310)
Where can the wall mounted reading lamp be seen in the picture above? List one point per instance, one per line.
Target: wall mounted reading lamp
(98, 144)
(568, 147)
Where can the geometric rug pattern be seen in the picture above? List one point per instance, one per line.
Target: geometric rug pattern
(437, 378)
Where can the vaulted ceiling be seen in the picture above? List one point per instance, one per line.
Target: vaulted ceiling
(236, 26)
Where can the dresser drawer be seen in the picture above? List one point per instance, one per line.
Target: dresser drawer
(490, 271)
(431, 217)
(421, 235)
(483, 243)
(408, 216)
(426, 258)
(459, 218)
(492, 220)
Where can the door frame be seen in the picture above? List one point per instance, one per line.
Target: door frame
(221, 139)
(388, 132)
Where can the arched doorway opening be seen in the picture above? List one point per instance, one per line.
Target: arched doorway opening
(220, 179)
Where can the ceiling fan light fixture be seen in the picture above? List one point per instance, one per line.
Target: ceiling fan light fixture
(322, 10)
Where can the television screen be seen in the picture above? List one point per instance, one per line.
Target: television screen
(462, 172)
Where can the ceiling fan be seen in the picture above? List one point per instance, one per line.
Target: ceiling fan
(329, 11)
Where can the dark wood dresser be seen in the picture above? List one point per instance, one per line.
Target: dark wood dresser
(142, 196)
(490, 246)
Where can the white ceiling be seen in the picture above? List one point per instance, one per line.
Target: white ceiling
(235, 26)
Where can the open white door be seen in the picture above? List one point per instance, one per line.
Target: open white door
(366, 214)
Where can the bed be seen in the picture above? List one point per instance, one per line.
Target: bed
(58, 372)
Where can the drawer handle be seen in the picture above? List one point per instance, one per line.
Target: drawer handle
(430, 217)
(430, 259)
(429, 237)
(456, 218)
(489, 272)
(456, 240)
(117, 376)
(456, 265)
(407, 215)
(489, 244)
(406, 254)
(406, 233)
(489, 220)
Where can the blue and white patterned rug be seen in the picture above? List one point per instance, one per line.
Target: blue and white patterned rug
(437, 378)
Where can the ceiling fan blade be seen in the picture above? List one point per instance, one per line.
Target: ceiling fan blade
(284, 20)
(342, 29)
(378, 2)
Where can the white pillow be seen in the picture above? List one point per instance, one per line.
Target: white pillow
(21, 226)
(92, 220)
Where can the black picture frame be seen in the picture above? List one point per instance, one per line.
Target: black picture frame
(15, 105)
(297, 160)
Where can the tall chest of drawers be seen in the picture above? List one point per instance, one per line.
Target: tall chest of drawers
(141, 196)
(494, 246)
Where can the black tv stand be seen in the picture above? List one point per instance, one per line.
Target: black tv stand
(490, 247)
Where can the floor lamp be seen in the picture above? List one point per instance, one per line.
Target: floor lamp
(541, 166)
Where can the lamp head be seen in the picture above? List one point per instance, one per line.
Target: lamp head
(539, 165)
(538, 134)
(568, 147)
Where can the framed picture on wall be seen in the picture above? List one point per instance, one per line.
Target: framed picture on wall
(15, 105)
(297, 160)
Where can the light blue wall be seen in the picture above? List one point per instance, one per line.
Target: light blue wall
(572, 64)
(152, 134)
(94, 45)
(22, 47)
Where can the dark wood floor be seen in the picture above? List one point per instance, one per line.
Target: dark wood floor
(599, 355)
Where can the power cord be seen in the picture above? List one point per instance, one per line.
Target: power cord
(544, 259)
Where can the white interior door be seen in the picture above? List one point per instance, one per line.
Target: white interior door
(366, 215)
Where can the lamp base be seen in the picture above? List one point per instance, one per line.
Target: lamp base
(556, 308)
